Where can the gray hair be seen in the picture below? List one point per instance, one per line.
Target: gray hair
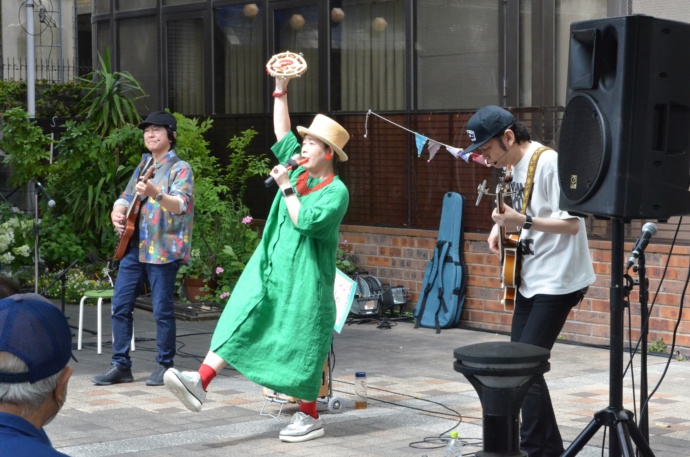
(28, 396)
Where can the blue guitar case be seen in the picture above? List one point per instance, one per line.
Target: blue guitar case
(445, 277)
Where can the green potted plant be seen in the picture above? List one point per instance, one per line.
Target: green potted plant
(223, 238)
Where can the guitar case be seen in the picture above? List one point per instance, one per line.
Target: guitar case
(445, 278)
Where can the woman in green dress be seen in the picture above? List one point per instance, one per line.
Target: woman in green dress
(277, 327)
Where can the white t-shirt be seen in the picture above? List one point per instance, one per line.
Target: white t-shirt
(554, 264)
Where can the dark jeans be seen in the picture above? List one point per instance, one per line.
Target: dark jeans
(128, 286)
(538, 321)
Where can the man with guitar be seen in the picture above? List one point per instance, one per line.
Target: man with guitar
(154, 219)
(556, 267)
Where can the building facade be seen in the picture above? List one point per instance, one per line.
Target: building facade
(390, 71)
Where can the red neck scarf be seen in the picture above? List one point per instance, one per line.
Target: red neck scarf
(303, 189)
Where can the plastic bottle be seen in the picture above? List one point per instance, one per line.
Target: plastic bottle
(360, 390)
(454, 448)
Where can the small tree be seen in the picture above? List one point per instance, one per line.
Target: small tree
(110, 98)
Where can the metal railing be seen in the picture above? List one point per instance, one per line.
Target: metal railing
(50, 70)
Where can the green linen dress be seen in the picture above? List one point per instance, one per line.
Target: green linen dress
(277, 326)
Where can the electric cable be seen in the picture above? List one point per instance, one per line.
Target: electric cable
(437, 441)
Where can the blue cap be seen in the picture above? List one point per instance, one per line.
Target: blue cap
(360, 374)
(487, 123)
(36, 332)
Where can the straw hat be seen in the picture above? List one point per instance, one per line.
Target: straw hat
(329, 131)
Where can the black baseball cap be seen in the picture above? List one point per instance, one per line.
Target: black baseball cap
(487, 123)
(160, 118)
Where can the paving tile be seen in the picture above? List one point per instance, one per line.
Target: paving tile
(414, 394)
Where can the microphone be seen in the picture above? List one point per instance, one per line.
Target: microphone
(648, 231)
(290, 165)
(51, 202)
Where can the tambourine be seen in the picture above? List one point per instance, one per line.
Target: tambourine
(286, 65)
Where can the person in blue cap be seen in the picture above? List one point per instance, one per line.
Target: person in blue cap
(161, 239)
(556, 267)
(35, 347)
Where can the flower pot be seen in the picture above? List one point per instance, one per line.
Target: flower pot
(193, 288)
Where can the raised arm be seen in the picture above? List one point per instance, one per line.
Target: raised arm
(281, 116)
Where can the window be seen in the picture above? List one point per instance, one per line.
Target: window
(128, 5)
(102, 38)
(457, 54)
(238, 35)
(297, 29)
(368, 55)
(101, 6)
(138, 48)
(185, 52)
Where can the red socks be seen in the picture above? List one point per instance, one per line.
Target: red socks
(207, 374)
(309, 407)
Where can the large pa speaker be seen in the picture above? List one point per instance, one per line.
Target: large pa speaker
(623, 143)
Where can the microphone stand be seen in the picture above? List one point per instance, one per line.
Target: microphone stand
(643, 282)
(36, 240)
(62, 276)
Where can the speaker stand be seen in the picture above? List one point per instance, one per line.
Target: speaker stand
(615, 416)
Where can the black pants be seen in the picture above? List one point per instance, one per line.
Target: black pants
(538, 320)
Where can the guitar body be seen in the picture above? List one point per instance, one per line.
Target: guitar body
(508, 251)
(131, 215)
(510, 274)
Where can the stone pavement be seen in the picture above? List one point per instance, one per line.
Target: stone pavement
(414, 396)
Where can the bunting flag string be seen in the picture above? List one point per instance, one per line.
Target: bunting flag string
(432, 145)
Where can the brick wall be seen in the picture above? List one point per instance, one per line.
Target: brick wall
(399, 257)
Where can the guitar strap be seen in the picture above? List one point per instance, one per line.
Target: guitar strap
(531, 170)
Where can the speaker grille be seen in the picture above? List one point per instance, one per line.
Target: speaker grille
(582, 155)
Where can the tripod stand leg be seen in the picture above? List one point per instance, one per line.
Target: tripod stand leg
(624, 439)
(640, 441)
(582, 439)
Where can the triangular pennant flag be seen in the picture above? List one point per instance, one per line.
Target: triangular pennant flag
(433, 149)
(455, 151)
(479, 159)
(466, 156)
(421, 141)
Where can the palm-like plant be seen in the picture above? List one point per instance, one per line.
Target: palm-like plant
(110, 100)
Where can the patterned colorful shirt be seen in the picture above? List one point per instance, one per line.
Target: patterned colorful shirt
(164, 236)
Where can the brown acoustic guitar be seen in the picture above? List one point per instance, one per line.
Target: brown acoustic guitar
(132, 213)
(508, 250)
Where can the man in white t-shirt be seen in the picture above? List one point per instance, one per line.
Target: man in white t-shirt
(556, 264)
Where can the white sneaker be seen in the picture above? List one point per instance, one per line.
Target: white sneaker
(302, 427)
(186, 386)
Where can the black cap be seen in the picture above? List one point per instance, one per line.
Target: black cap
(160, 118)
(487, 123)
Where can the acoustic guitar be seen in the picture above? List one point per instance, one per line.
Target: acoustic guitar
(132, 213)
(508, 250)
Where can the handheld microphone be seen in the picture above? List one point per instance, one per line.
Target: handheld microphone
(51, 202)
(289, 165)
(648, 231)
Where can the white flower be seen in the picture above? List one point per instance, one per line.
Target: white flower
(24, 251)
(6, 258)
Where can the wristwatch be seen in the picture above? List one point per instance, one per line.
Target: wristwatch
(288, 191)
(159, 197)
(528, 222)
